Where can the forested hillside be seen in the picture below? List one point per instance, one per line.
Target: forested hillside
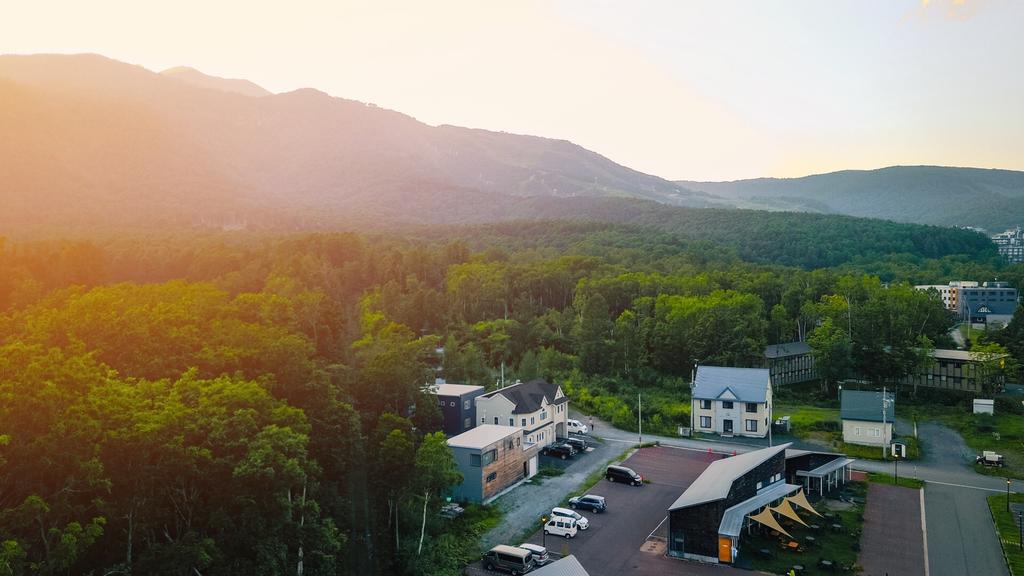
(229, 404)
(941, 195)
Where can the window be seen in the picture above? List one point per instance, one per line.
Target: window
(488, 457)
(491, 477)
(705, 404)
(495, 419)
(751, 407)
(760, 485)
(467, 423)
(856, 431)
(544, 415)
(511, 421)
(474, 460)
(465, 405)
(452, 404)
(705, 421)
(726, 405)
(532, 420)
(751, 425)
(481, 419)
(524, 422)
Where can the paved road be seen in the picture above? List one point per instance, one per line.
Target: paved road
(892, 543)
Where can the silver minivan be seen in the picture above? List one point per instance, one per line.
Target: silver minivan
(581, 520)
(511, 559)
(540, 553)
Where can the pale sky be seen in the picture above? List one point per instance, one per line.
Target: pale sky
(703, 90)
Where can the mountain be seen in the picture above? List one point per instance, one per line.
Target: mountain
(92, 142)
(197, 78)
(990, 199)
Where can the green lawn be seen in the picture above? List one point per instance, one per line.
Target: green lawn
(822, 425)
(839, 547)
(1006, 528)
(879, 478)
(1002, 433)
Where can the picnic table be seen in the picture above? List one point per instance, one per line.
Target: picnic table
(811, 540)
(826, 565)
(837, 527)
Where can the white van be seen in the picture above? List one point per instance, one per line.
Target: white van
(540, 553)
(576, 427)
(561, 526)
(581, 521)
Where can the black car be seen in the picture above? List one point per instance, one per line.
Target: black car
(624, 475)
(588, 501)
(562, 451)
(578, 444)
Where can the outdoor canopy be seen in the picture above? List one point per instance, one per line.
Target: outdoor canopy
(786, 510)
(765, 517)
(800, 499)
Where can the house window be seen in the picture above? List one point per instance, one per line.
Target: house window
(488, 457)
(726, 405)
(465, 405)
(705, 421)
(466, 423)
(705, 404)
(751, 407)
(474, 460)
(452, 404)
(544, 415)
(495, 419)
(511, 421)
(760, 485)
(482, 419)
(856, 431)
(532, 420)
(751, 425)
(491, 477)
(524, 422)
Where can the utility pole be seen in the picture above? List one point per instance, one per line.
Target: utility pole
(693, 380)
(883, 422)
(639, 420)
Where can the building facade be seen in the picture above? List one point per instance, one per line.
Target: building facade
(992, 302)
(790, 363)
(1010, 244)
(492, 459)
(956, 370)
(537, 407)
(458, 406)
(732, 401)
(863, 421)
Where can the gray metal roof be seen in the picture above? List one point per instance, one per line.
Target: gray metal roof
(961, 355)
(568, 566)
(746, 384)
(787, 349)
(716, 481)
(826, 468)
(732, 519)
(528, 396)
(483, 436)
(866, 406)
(454, 389)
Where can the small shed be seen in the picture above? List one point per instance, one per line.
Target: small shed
(984, 406)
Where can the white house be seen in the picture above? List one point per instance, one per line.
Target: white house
(732, 401)
(538, 407)
(861, 412)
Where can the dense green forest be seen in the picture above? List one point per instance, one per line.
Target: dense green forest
(229, 404)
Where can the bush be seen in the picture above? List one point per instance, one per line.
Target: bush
(1007, 405)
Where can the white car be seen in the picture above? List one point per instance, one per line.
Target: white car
(580, 519)
(540, 553)
(577, 427)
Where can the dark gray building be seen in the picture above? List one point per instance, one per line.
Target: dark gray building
(790, 363)
(989, 303)
(458, 406)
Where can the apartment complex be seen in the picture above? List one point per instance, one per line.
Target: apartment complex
(987, 303)
(1011, 244)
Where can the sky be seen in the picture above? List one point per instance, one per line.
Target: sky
(697, 90)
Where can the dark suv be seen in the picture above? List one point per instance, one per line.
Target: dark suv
(624, 475)
(589, 502)
(562, 451)
(578, 444)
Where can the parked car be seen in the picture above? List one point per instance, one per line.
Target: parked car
(510, 559)
(624, 475)
(589, 502)
(578, 444)
(580, 519)
(989, 458)
(562, 451)
(577, 427)
(540, 553)
(561, 526)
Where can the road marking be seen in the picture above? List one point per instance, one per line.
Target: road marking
(924, 534)
(962, 486)
(662, 522)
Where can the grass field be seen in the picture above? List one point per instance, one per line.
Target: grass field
(1002, 433)
(822, 425)
(879, 478)
(1009, 534)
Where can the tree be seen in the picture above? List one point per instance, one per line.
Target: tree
(435, 471)
(830, 348)
(994, 364)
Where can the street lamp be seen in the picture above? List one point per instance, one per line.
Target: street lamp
(543, 532)
(1008, 495)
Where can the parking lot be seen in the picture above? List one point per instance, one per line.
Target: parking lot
(629, 538)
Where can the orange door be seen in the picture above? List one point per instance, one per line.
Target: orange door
(724, 549)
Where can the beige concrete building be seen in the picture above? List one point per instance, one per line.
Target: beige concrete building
(732, 401)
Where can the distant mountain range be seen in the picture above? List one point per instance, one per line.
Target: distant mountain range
(91, 143)
(990, 199)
